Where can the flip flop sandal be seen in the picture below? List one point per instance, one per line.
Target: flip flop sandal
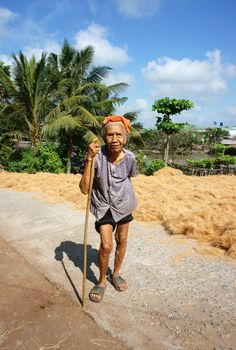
(117, 281)
(97, 290)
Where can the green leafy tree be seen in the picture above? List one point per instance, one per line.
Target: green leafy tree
(170, 107)
(215, 135)
(153, 138)
(185, 141)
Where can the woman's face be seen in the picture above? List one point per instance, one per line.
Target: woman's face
(115, 137)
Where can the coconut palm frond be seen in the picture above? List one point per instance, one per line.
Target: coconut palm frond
(132, 116)
(102, 108)
(106, 106)
(53, 60)
(7, 82)
(118, 100)
(83, 59)
(66, 122)
(14, 134)
(66, 56)
(40, 108)
(74, 102)
(91, 88)
(98, 73)
(100, 118)
(87, 118)
(135, 137)
(8, 110)
(55, 113)
(89, 136)
(117, 88)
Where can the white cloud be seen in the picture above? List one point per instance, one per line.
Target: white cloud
(5, 17)
(105, 53)
(48, 46)
(145, 114)
(142, 104)
(144, 109)
(6, 59)
(147, 118)
(138, 8)
(189, 78)
(119, 77)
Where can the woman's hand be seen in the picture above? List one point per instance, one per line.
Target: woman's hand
(93, 149)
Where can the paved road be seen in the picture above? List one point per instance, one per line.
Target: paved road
(178, 297)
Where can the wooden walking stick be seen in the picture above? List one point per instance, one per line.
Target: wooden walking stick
(86, 231)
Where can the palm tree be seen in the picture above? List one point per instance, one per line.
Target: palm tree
(28, 101)
(135, 138)
(81, 100)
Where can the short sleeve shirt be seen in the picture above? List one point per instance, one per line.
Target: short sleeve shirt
(112, 188)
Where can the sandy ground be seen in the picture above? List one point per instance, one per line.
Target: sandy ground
(181, 292)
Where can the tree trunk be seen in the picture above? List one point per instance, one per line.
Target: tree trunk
(35, 137)
(167, 146)
(173, 156)
(69, 152)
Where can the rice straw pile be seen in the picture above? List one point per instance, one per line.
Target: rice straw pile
(198, 207)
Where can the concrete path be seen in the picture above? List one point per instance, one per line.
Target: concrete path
(178, 297)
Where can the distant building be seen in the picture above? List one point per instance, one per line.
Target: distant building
(232, 132)
(231, 140)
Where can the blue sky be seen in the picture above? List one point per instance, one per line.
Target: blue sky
(174, 48)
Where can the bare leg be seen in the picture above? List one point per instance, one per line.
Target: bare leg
(121, 236)
(104, 253)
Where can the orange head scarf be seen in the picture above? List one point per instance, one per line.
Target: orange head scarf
(117, 118)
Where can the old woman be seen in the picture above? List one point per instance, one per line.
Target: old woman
(113, 198)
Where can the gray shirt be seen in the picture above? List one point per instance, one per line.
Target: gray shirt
(112, 188)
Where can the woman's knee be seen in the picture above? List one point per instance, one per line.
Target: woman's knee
(105, 247)
(121, 240)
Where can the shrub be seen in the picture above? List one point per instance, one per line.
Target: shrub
(219, 149)
(224, 160)
(141, 163)
(155, 165)
(5, 153)
(46, 160)
(214, 163)
(203, 163)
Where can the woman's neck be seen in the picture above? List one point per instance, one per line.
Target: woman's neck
(115, 157)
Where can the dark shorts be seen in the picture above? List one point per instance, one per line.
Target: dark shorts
(108, 219)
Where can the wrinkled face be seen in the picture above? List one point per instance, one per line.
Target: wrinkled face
(115, 137)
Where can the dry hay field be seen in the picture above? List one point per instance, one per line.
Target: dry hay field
(197, 207)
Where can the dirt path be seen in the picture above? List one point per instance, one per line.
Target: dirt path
(36, 315)
(181, 292)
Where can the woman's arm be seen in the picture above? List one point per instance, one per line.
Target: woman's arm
(93, 149)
